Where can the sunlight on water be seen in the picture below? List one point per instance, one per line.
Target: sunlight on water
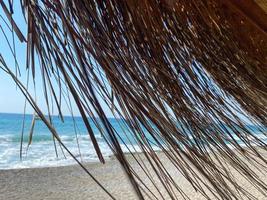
(41, 153)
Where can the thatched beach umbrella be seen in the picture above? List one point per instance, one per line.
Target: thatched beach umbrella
(179, 73)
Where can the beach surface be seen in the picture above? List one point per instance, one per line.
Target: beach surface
(71, 182)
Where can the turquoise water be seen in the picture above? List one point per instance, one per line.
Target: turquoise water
(41, 153)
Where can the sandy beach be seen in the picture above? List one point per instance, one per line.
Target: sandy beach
(71, 182)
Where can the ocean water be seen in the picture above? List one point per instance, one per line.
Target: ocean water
(41, 152)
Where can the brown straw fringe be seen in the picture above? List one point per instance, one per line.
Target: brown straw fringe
(183, 71)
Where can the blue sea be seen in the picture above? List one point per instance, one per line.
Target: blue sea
(42, 153)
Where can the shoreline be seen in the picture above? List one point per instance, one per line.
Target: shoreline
(71, 182)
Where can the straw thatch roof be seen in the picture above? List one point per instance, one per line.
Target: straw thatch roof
(183, 71)
(262, 4)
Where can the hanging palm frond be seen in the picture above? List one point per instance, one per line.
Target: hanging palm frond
(182, 75)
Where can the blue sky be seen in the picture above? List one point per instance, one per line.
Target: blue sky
(12, 100)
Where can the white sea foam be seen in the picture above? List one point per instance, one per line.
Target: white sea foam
(42, 153)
